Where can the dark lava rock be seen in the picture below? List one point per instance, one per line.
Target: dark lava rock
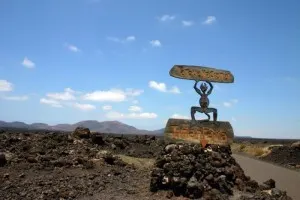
(31, 159)
(296, 145)
(271, 183)
(205, 173)
(81, 132)
(3, 160)
(97, 139)
(286, 156)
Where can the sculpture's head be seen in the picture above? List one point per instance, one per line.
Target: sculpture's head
(203, 87)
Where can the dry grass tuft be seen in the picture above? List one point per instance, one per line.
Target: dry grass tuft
(258, 152)
(242, 147)
(250, 149)
(137, 162)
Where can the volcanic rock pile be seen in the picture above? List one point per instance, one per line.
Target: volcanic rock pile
(210, 173)
(286, 155)
(62, 165)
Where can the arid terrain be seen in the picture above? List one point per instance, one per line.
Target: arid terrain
(283, 152)
(82, 165)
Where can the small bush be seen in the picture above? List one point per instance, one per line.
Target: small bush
(242, 147)
(258, 152)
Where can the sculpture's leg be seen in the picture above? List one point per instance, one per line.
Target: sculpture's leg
(214, 111)
(215, 115)
(207, 116)
(195, 109)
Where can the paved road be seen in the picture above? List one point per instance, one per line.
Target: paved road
(260, 171)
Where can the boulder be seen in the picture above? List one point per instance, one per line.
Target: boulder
(97, 139)
(296, 145)
(81, 132)
(3, 160)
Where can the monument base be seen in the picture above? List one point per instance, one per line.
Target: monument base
(204, 132)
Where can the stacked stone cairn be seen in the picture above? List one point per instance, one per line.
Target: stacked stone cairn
(206, 173)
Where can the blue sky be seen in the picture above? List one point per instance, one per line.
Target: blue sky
(72, 60)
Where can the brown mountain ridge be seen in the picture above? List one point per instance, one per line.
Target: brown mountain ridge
(96, 126)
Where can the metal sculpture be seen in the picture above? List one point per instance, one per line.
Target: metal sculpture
(203, 131)
(204, 102)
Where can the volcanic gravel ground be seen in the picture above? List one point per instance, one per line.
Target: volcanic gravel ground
(54, 165)
(264, 141)
(58, 165)
(286, 156)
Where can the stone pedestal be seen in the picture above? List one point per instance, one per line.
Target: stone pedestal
(199, 132)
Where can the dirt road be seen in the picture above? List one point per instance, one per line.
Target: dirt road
(260, 171)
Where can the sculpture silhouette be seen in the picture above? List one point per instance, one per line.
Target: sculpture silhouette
(204, 102)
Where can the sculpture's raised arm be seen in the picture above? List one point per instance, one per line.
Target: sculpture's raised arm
(211, 88)
(197, 89)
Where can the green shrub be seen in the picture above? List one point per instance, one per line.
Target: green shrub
(242, 147)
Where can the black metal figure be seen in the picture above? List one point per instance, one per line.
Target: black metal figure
(204, 102)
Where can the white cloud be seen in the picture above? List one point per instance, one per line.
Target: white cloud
(135, 109)
(130, 38)
(142, 115)
(178, 116)
(51, 102)
(84, 107)
(72, 48)
(163, 88)
(133, 92)
(135, 101)
(227, 104)
(233, 119)
(16, 98)
(69, 90)
(210, 20)
(158, 86)
(117, 115)
(67, 98)
(234, 100)
(113, 95)
(155, 43)
(28, 63)
(175, 90)
(106, 107)
(166, 18)
(62, 99)
(5, 86)
(187, 23)
(67, 95)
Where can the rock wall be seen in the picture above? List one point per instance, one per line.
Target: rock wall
(207, 173)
